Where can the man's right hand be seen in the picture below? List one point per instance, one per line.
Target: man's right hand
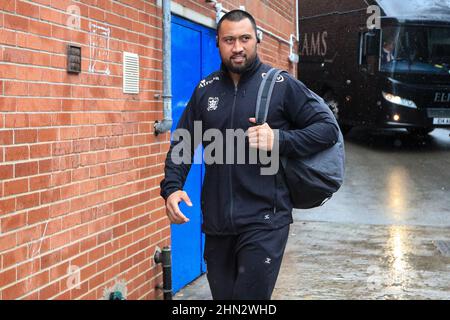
(173, 211)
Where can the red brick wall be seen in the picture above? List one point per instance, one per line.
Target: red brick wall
(79, 163)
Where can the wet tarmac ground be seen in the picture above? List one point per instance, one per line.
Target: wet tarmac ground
(384, 235)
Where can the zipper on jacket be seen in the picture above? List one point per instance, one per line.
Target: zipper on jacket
(229, 169)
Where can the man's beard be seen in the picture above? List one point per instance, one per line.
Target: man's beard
(239, 69)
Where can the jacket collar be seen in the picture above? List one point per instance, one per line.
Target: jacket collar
(248, 73)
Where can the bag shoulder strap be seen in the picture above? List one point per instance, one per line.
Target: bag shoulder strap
(265, 94)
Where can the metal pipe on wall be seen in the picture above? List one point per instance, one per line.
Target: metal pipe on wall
(164, 257)
(297, 29)
(166, 123)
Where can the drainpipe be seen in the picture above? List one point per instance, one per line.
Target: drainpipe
(164, 258)
(297, 29)
(293, 57)
(166, 123)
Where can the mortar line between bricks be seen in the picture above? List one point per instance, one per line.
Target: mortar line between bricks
(33, 144)
(87, 18)
(72, 126)
(88, 111)
(73, 154)
(75, 112)
(79, 197)
(36, 66)
(11, 214)
(68, 155)
(65, 84)
(65, 70)
(98, 8)
(57, 54)
(142, 101)
(85, 86)
(137, 44)
(62, 55)
(53, 173)
(112, 175)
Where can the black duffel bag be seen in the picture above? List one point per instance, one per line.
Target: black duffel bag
(311, 180)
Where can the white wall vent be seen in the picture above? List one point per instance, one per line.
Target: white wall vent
(130, 73)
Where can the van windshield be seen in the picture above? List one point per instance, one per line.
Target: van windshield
(416, 49)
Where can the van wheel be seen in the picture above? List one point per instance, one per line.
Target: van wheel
(420, 132)
(333, 104)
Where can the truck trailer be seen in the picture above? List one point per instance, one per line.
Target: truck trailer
(380, 63)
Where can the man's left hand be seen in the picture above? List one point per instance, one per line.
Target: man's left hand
(260, 137)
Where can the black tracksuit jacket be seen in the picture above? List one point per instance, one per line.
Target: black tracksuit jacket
(236, 197)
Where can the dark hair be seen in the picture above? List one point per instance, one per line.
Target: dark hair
(238, 15)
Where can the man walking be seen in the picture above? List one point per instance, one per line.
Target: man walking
(246, 214)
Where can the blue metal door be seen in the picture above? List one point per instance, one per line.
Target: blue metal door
(194, 56)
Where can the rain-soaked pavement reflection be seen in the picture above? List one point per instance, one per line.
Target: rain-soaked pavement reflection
(397, 190)
(398, 248)
(346, 261)
(377, 238)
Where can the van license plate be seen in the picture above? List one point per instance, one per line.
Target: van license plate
(441, 120)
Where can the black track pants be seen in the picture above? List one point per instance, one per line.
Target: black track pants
(245, 266)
